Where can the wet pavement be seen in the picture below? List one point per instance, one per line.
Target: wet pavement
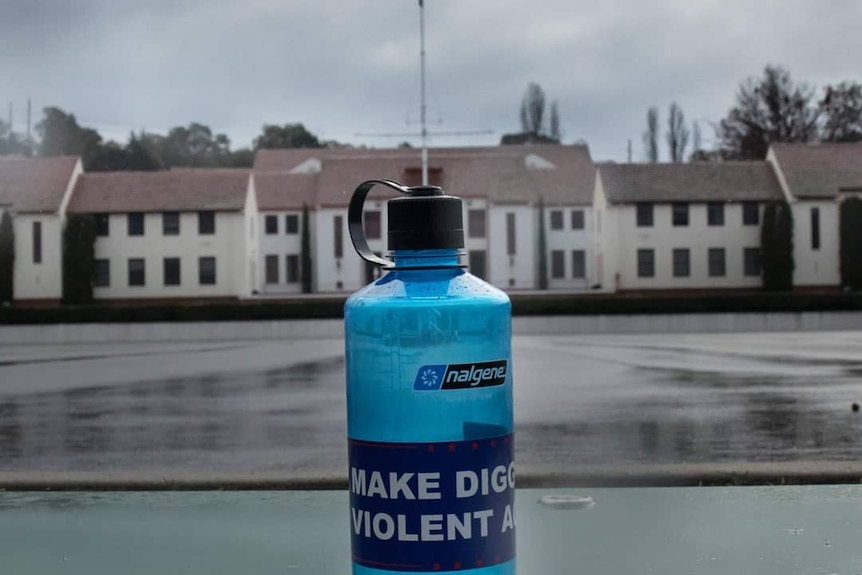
(278, 407)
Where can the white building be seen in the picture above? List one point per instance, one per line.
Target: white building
(167, 235)
(815, 178)
(36, 191)
(681, 226)
(502, 188)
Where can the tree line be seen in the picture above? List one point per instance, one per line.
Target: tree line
(770, 109)
(195, 145)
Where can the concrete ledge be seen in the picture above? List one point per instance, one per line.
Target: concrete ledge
(522, 325)
(634, 475)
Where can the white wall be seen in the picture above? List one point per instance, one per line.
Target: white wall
(569, 240)
(334, 274)
(819, 267)
(38, 280)
(227, 245)
(606, 245)
(280, 244)
(517, 271)
(479, 243)
(698, 237)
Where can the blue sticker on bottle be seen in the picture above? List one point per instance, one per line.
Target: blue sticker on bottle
(432, 506)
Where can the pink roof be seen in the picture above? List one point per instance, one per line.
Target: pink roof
(502, 174)
(820, 170)
(176, 190)
(284, 191)
(35, 184)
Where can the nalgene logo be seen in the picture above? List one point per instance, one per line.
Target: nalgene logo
(461, 375)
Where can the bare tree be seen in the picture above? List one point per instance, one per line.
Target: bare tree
(677, 133)
(695, 137)
(533, 109)
(555, 122)
(650, 136)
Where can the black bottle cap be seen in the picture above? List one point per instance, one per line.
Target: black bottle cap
(425, 219)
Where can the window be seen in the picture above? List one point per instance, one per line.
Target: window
(171, 223)
(716, 262)
(271, 266)
(751, 261)
(270, 225)
(476, 223)
(715, 214)
(477, 263)
(103, 222)
(680, 214)
(338, 232)
(137, 269)
(207, 271)
(172, 271)
(644, 215)
(579, 264)
(558, 264)
(37, 242)
(135, 222)
(815, 228)
(577, 219)
(292, 268)
(291, 224)
(101, 273)
(206, 223)
(750, 214)
(371, 224)
(681, 263)
(510, 234)
(646, 263)
(556, 219)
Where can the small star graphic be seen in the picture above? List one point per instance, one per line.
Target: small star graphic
(451, 447)
(457, 565)
(493, 443)
(436, 567)
(430, 449)
(480, 563)
(475, 446)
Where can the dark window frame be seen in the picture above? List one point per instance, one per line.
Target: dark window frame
(475, 229)
(168, 221)
(291, 269)
(168, 271)
(271, 269)
(136, 224)
(815, 229)
(338, 236)
(372, 224)
(646, 265)
(579, 262)
(556, 220)
(577, 220)
(207, 276)
(715, 214)
(645, 214)
(102, 272)
(558, 264)
(270, 225)
(206, 223)
(680, 214)
(103, 225)
(511, 234)
(137, 276)
(750, 214)
(681, 265)
(291, 224)
(37, 242)
(751, 262)
(717, 262)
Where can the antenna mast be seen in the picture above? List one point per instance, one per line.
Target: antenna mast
(423, 110)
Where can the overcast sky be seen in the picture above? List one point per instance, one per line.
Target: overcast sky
(348, 67)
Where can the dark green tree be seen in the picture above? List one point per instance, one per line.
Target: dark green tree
(7, 258)
(851, 243)
(768, 110)
(542, 247)
(532, 118)
(13, 143)
(841, 109)
(79, 238)
(141, 154)
(677, 133)
(61, 135)
(305, 252)
(286, 136)
(192, 146)
(776, 247)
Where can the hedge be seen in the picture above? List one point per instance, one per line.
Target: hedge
(522, 304)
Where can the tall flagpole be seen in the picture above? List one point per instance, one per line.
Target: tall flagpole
(422, 110)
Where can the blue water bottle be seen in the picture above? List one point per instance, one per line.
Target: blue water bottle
(429, 399)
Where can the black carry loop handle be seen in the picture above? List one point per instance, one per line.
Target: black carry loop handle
(354, 220)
